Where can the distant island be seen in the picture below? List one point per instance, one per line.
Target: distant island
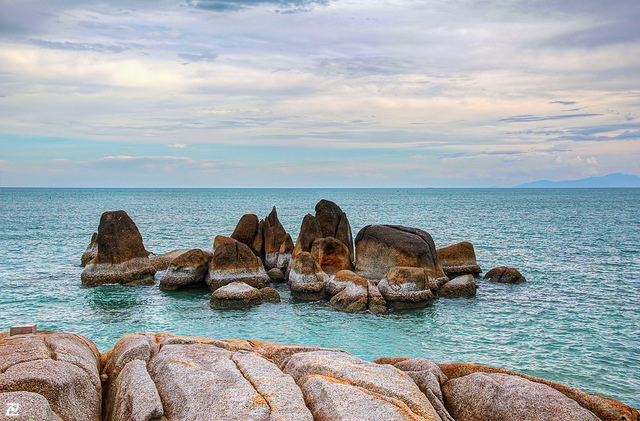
(611, 180)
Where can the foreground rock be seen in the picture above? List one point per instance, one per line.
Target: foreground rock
(381, 247)
(461, 286)
(459, 259)
(234, 261)
(121, 257)
(306, 278)
(406, 287)
(163, 261)
(51, 376)
(235, 295)
(504, 275)
(91, 252)
(187, 270)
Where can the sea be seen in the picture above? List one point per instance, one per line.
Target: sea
(576, 320)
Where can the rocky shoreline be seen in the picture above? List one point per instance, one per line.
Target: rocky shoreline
(56, 376)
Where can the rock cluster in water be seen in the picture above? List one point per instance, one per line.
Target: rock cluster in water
(54, 376)
(386, 267)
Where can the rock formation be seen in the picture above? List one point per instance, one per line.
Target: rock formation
(91, 251)
(461, 286)
(274, 236)
(234, 261)
(381, 247)
(306, 278)
(163, 261)
(285, 252)
(189, 269)
(504, 275)
(352, 293)
(235, 295)
(121, 256)
(247, 229)
(334, 223)
(309, 231)
(405, 287)
(459, 259)
(221, 239)
(331, 254)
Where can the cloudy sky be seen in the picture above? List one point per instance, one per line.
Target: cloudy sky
(317, 93)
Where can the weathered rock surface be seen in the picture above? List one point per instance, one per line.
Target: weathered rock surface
(51, 376)
(221, 239)
(163, 261)
(306, 278)
(461, 286)
(235, 295)
(334, 223)
(23, 406)
(504, 275)
(247, 229)
(352, 293)
(91, 252)
(276, 275)
(234, 261)
(274, 236)
(459, 259)
(331, 254)
(502, 397)
(121, 256)
(187, 270)
(285, 252)
(309, 231)
(406, 287)
(381, 247)
(269, 295)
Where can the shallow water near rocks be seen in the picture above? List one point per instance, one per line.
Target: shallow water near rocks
(576, 320)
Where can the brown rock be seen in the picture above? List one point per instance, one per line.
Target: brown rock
(235, 295)
(247, 229)
(276, 275)
(461, 286)
(121, 256)
(503, 397)
(459, 259)
(405, 287)
(221, 239)
(353, 295)
(334, 223)
(187, 270)
(306, 278)
(274, 236)
(26, 406)
(270, 295)
(376, 302)
(163, 261)
(61, 369)
(309, 231)
(504, 275)
(234, 261)
(91, 252)
(331, 254)
(285, 252)
(381, 247)
(258, 241)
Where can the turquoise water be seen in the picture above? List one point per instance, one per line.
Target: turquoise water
(576, 320)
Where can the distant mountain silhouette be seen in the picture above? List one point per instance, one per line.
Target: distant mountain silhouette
(611, 180)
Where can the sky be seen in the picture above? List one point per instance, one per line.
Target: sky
(317, 93)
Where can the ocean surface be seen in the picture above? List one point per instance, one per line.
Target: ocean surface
(576, 320)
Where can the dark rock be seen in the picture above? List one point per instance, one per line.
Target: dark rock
(406, 287)
(331, 254)
(121, 256)
(334, 223)
(504, 275)
(274, 236)
(234, 261)
(459, 259)
(91, 251)
(235, 295)
(269, 295)
(461, 286)
(381, 247)
(247, 229)
(285, 252)
(163, 261)
(187, 270)
(258, 241)
(306, 278)
(276, 275)
(309, 231)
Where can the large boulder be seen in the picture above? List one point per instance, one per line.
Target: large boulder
(309, 231)
(461, 286)
(503, 397)
(50, 376)
(221, 239)
(91, 252)
(353, 293)
(504, 275)
(235, 295)
(187, 270)
(405, 287)
(334, 223)
(306, 278)
(234, 261)
(121, 258)
(381, 247)
(459, 259)
(274, 236)
(331, 254)
(247, 229)
(163, 261)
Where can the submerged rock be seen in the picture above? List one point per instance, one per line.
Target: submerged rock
(91, 251)
(381, 247)
(121, 257)
(306, 278)
(461, 286)
(234, 261)
(459, 259)
(405, 287)
(235, 295)
(187, 270)
(504, 275)
(163, 261)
